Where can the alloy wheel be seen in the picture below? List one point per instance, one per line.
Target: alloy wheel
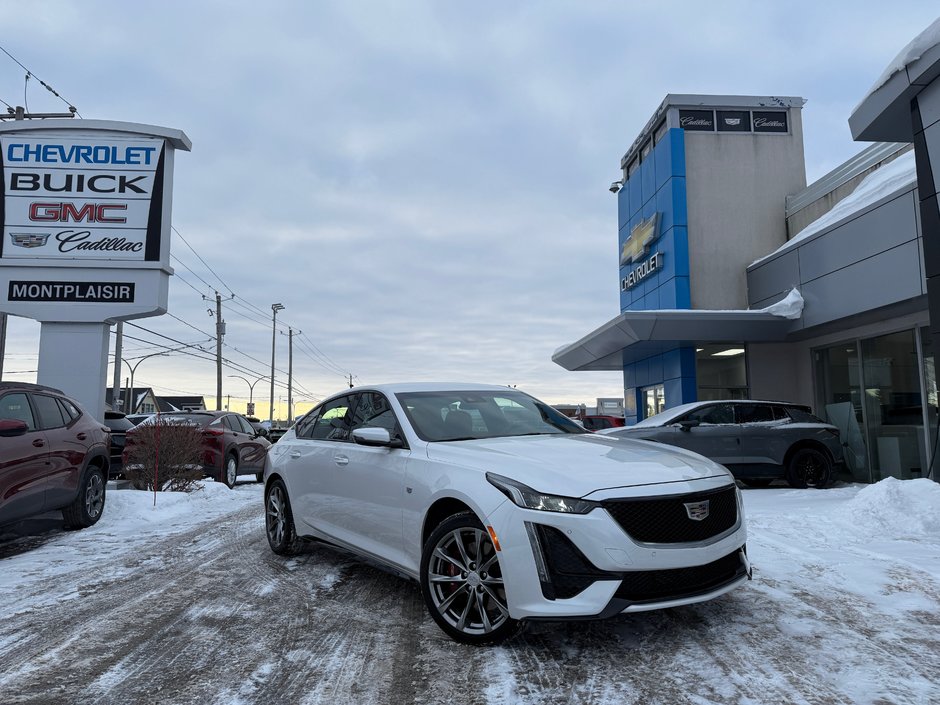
(465, 582)
(276, 516)
(94, 495)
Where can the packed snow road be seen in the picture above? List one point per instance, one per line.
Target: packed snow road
(184, 603)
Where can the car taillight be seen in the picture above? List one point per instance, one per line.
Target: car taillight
(212, 432)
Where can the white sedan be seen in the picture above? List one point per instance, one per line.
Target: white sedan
(503, 509)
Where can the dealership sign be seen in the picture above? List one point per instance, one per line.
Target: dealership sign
(81, 198)
(645, 269)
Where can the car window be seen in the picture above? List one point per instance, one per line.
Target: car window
(49, 412)
(306, 424)
(780, 413)
(69, 410)
(231, 423)
(244, 425)
(332, 423)
(16, 406)
(802, 415)
(753, 413)
(714, 414)
(374, 411)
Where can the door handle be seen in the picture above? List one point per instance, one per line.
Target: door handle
(295, 454)
(39, 443)
(82, 436)
(341, 460)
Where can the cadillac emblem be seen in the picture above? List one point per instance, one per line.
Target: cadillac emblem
(29, 239)
(697, 511)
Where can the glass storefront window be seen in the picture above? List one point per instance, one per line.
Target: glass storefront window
(721, 372)
(654, 400)
(930, 388)
(839, 402)
(894, 412)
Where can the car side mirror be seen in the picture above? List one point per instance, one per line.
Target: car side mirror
(10, 428)
(688, 425)
(375, 437)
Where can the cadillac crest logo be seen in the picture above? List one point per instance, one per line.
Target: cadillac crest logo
(29, 240)
(697, 511)
(641, 237)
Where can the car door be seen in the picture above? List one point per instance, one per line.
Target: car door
(715, 436)
(308, 465)
(761, 433)
(24, 462)
(367, 483)
(68, 441)
(250, 450)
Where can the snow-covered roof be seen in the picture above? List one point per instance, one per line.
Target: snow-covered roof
(882, 182)
(916, 48)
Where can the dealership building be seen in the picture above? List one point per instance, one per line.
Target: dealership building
(738, 279)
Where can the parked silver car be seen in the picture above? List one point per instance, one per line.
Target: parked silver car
(759, 441)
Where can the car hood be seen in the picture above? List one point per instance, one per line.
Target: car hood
(576, 465)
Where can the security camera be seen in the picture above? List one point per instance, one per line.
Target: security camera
(616, 186)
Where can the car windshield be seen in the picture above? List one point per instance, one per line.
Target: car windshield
(462, 415)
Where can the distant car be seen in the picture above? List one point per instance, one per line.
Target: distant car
(230, 445)
(759, 441)
(119, 425)
(600, 422)
(53, 455)
(137, 418)
(258, 425)
(502, 508)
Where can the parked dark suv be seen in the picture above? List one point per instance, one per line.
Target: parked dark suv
(53, 455)
(230, 446)
(758, 441)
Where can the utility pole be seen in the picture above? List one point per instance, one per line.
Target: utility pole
(116, 380)
(351, 385)
(274, 309)
(290, 374)
(219, 332)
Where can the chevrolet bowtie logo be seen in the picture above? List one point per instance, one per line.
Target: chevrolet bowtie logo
(641, 237)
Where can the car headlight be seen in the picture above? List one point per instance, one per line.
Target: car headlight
(524, 496)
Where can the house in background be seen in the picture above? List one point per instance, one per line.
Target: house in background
(145, 401)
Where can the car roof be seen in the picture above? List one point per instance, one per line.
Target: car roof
(30, 387)
(393, 388)
(675, 412)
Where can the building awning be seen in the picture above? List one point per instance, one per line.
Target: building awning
(635, 335)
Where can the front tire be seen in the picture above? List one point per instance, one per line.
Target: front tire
(87, 508)
(809, 468)
(462, 582)
(279, 520)
(230, 471)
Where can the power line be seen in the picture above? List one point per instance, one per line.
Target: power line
(41, 82)
(202, 260)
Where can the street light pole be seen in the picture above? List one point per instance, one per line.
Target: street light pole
(251, 389)
(132, 409)
(274, 309)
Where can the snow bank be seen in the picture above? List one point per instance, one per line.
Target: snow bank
(896, 507)
(131, 509)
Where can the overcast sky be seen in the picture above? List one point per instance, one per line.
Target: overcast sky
(423, 185)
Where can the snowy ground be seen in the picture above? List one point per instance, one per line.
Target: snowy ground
(184, 603)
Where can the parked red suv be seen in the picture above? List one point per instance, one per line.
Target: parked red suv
(230, 446)
(599, 422)
(53, 455)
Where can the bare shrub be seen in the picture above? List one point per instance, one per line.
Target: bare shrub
(164, 456)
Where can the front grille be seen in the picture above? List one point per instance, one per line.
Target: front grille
(569, 571)
(665, 519)
(658, 585)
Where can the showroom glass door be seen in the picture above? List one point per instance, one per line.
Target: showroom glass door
(654, 400)
(930, 391)
(894, 413)
(839, 402)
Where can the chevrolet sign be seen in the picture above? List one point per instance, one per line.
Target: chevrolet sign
(641, 237)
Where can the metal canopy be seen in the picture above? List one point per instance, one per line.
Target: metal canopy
(635, 335)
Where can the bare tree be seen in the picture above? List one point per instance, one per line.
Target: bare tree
(164, 456)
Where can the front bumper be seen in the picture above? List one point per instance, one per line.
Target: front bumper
(571, 566)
